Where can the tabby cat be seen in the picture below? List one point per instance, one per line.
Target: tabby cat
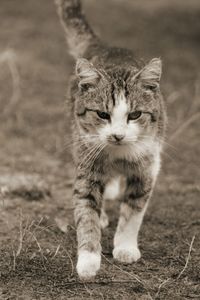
(117, 118)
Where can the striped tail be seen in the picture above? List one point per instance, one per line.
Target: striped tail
(79, 35)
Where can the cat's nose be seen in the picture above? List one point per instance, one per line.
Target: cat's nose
(118, 137)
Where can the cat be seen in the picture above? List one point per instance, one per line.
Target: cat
(118, 118)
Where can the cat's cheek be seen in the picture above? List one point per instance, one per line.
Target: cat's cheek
(133, 131)
(104, 132)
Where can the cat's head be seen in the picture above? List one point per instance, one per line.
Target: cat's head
(121, 109)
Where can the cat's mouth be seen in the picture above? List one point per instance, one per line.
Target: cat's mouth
(117, 143)
(116, 140)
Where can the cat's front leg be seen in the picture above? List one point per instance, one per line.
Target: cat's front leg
(132, 211)
(87, 198)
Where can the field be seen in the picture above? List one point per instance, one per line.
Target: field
(37, 235)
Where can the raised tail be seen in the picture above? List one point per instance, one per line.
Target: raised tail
(79, 35)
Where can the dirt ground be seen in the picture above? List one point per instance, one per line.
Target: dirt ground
(37, 236)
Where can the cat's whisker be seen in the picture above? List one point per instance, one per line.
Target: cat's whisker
(169, 156)
(93, 154)
(91, 149)
(85, 158)
(79, 142)
(72, 144)
(88, 157)
(97, 154)
(160, 139)
(175, 149)
(88, 135)
(141, 152)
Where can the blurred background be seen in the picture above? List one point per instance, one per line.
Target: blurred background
(34, 71)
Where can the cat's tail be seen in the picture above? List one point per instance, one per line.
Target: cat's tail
(79, 35)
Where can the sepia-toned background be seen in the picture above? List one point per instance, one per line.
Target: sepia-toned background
(37, 236)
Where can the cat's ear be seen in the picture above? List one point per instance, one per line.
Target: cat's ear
(151, 74)
(86, 72)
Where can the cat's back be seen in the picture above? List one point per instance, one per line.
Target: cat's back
(84, 43)
(111, 56)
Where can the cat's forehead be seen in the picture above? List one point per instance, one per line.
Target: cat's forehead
(119, 76)
(118, 85)
(118, 99)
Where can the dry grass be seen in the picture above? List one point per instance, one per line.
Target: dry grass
(9, 57)
(188, 257)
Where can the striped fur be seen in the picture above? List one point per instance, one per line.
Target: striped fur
(117, 126)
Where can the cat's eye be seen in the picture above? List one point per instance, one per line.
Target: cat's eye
(103, 115)
(85, 87)
(151, 87)
(134, 115)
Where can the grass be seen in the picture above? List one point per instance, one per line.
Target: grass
(37, 237)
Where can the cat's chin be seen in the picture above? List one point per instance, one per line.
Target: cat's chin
(120, 151)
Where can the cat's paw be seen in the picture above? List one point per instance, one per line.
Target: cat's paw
(126, 255)
(104, 221)
(88, 264)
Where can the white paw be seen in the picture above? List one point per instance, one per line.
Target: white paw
(126, 255)
(103, 220)
(88, 264)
